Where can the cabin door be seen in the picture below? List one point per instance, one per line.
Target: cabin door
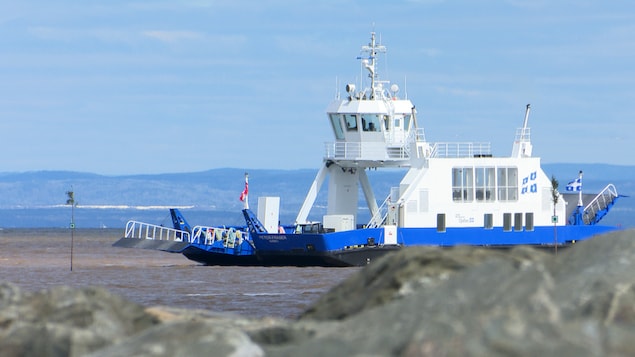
(390, 235)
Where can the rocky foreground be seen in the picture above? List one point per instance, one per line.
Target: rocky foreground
(417, 302)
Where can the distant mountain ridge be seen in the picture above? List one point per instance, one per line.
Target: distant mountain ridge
(217, 190)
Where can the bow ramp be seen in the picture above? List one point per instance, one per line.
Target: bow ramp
(597, 207)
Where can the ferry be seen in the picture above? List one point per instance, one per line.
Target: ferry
(208, 245)
(452, 193)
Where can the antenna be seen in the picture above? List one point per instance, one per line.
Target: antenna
(369, 61)
(526, 117)
(405, 86)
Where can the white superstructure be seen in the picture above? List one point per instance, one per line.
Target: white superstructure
(447, 184)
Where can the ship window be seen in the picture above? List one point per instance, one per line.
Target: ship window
(351, 122)
(518, 221)
(507, 178)
(337, 126)
(488, 221)
(507, 222)
(485, 184)
(406, 122)
(462, 184)
(441, 222)
(370, 122)
(387, 122)
(529, 221)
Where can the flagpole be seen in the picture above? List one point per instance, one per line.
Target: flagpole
(580, 204)
(244, 196)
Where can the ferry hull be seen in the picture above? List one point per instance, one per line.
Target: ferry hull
(206, 257)
(289, 251)
(339, 258)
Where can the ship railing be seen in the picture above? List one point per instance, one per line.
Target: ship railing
(380, 216)
(461, 149)
(600, 203)
(420, 135)
(523, 134)
(142, 230)
(207, 235)
(365, 151)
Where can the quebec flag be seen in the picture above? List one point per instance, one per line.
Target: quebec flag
(575, 185)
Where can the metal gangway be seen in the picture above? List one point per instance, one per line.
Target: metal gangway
(142, 230)
(600, 205)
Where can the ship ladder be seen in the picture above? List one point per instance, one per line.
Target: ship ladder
(380, 216)
(600, 205)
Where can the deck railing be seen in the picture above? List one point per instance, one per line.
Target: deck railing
(209, 235)
(141, 230)
(461, 149)
(381, 151)
(365, 151)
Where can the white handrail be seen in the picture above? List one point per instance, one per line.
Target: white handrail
(142, 230)
(600, 202)
(208, 235)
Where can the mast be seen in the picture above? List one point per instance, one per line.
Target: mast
(526, 117)
(370, 62)
(522, 143)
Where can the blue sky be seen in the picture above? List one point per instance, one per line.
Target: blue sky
(127, 87)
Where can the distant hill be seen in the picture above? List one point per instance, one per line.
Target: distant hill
(211, 197)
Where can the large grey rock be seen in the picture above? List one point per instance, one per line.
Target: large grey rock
(186, 338)
(404, 272)
(418, 302)
(65, 322)
(580, 302)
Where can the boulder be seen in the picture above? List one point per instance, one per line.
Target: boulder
(463, 301)
(64, 321)
(470, 301)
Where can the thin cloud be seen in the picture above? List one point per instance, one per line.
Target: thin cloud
(60, 34)
(174, 36)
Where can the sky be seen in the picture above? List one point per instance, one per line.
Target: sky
(141, 87)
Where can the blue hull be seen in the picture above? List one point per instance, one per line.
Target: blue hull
(217, 254)
(361, 246)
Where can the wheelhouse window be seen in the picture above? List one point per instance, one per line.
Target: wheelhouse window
(386, 119)
(485, 184)
(336, 123)
(406, 121)
(507, 178)
(351, 122)
(462, 184)
(370, 122)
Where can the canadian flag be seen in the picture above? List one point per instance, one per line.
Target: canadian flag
(243, 195)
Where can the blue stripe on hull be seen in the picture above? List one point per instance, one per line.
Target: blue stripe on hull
(498, 237)
(426, 236)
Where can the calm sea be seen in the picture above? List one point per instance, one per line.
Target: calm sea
(37, 259)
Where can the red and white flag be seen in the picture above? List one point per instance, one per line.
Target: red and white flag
(243, 195)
